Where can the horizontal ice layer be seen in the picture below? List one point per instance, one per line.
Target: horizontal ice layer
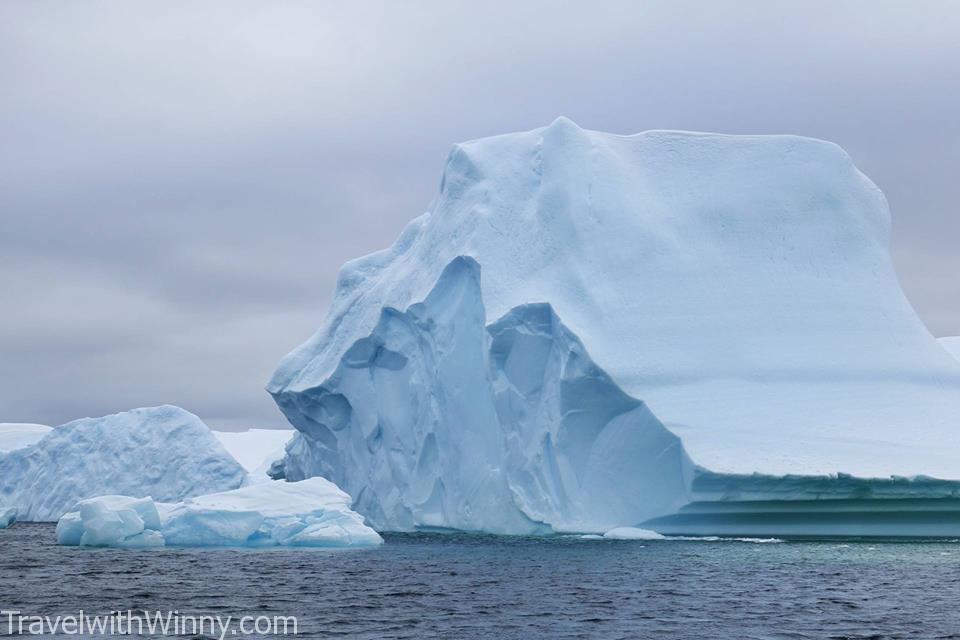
(255, 449)
(163, 452)
(311, 513)
(437, 420)
(16, 435)
(807, 505)
(8, 516)
(741, 286)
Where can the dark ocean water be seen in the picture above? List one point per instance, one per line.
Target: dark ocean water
(461, 586)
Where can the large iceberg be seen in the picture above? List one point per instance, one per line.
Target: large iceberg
(311, 513)
(16, 435)
(163, 452)
(748, 342)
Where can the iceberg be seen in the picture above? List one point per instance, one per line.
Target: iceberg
(311, 513)
(632, 533)
(164, 452)
(751, 352)
(15, 435)
(7, 517)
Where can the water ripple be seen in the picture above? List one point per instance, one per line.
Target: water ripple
(425, 586)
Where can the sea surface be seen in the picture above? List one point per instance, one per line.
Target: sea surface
(470, 586)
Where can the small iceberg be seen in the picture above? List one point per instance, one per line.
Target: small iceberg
(310, 513)
(631, 533)
(112, 521)
(8, 516)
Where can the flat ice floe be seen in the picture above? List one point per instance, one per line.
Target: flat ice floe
(310, 513)
(632, 533)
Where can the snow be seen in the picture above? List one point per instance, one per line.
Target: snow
(737, 290)
(631, 533)
(311, 513)
(164, 452)
(15, 435)
(255, 449)
(8, 516)
(952, 345)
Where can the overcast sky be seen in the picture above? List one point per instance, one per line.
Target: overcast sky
(180, 181)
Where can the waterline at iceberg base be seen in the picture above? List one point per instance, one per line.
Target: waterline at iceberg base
(692, 333)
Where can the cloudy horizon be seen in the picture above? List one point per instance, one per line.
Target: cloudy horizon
(180, 182)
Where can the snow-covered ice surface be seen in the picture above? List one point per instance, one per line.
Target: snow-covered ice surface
(740, 286)
(952, 345)
(16, 435)
(8, 516)
(163, 452)
(255, 449)
(311, 513)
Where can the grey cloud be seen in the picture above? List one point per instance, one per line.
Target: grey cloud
(179, 183)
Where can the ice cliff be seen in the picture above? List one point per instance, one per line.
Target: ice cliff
(312, 513)
(438, 420)
(163, 452)
(739, 287)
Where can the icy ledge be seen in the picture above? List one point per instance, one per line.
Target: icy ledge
(437, 420)
(164, 452)
(311, 513)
